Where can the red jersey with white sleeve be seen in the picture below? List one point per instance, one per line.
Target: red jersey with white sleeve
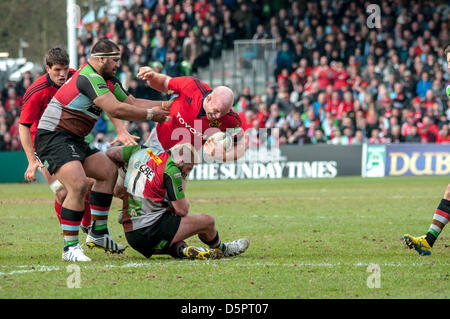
(36, 99)
(188, 123)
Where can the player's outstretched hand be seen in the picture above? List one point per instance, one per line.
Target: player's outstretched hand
(160, 115)
(125, 138)
(145, 73)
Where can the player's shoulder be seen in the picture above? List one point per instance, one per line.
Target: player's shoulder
(39, 82)
(171, 167)
(191, 82)
(89, 72)
(71, 72)
(233, 115)
(202, 86)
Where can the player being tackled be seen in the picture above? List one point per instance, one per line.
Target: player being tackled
(155, 214)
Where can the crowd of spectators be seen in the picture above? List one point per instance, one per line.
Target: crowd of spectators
(338, 79)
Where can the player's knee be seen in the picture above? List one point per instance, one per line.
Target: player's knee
(80, 186)
(207, 221)
(447, 192)
(61, 195)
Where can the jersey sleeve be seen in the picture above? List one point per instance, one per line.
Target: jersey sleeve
(178, 84)
(119, 92)
(173, 181)
(92, 85)
(31, 109)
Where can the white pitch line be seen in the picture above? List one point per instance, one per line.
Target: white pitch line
(29, 269)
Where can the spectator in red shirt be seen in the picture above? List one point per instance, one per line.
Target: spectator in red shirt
(335, 106)
(262, 114)
(408, 124)
(428, 130)
(340, 76)
(202, 6)
(347, 104)
(13, 100)
(418, 109)
(376, 137)
(429, 99)
(443, 135)
(322, 73)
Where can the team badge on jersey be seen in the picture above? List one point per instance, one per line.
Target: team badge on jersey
(154, 157)
(215, 123)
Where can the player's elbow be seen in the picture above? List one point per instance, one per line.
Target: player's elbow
(181, 210)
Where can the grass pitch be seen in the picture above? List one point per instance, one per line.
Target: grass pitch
(310, 238)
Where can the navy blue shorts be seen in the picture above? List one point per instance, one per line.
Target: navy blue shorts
(155, 237)
(56, 148)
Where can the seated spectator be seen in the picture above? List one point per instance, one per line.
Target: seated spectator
(423, 85)
(376, 137)
(359, 138)
(413, 136)
(262, 114)
(337, 138)
(284, 59)
(427, 130)
(443, 135)
(172, 65)
(395, 135)
(285, 132)
(299, 137)
(347, 137)
(275, 118)
(318, 138)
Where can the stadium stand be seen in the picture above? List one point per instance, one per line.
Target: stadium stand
(336, 80)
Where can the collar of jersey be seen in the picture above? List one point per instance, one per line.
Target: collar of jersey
(49, 80)
(202, 110)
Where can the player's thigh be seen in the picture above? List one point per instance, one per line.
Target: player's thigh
(193, 224)
(72, 176)
(157, 237)
(99, 167)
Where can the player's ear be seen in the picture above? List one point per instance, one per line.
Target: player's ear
(47, 68)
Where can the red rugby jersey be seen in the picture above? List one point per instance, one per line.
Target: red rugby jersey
(189, 123)
(35, 101)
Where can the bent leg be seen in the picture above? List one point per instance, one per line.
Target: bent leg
(196, 224)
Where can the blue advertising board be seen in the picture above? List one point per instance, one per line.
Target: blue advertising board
(417, 160)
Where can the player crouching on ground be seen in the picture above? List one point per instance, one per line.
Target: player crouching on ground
(155, 214)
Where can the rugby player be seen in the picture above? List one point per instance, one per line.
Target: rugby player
(154, 224)
(196, 113)
(424, 244)
(59, 142)
(36, 99)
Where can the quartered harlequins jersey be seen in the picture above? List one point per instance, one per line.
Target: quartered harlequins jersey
(151, 181)
(72, 108)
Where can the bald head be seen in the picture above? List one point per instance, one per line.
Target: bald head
(224, 96)
(219, 102)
